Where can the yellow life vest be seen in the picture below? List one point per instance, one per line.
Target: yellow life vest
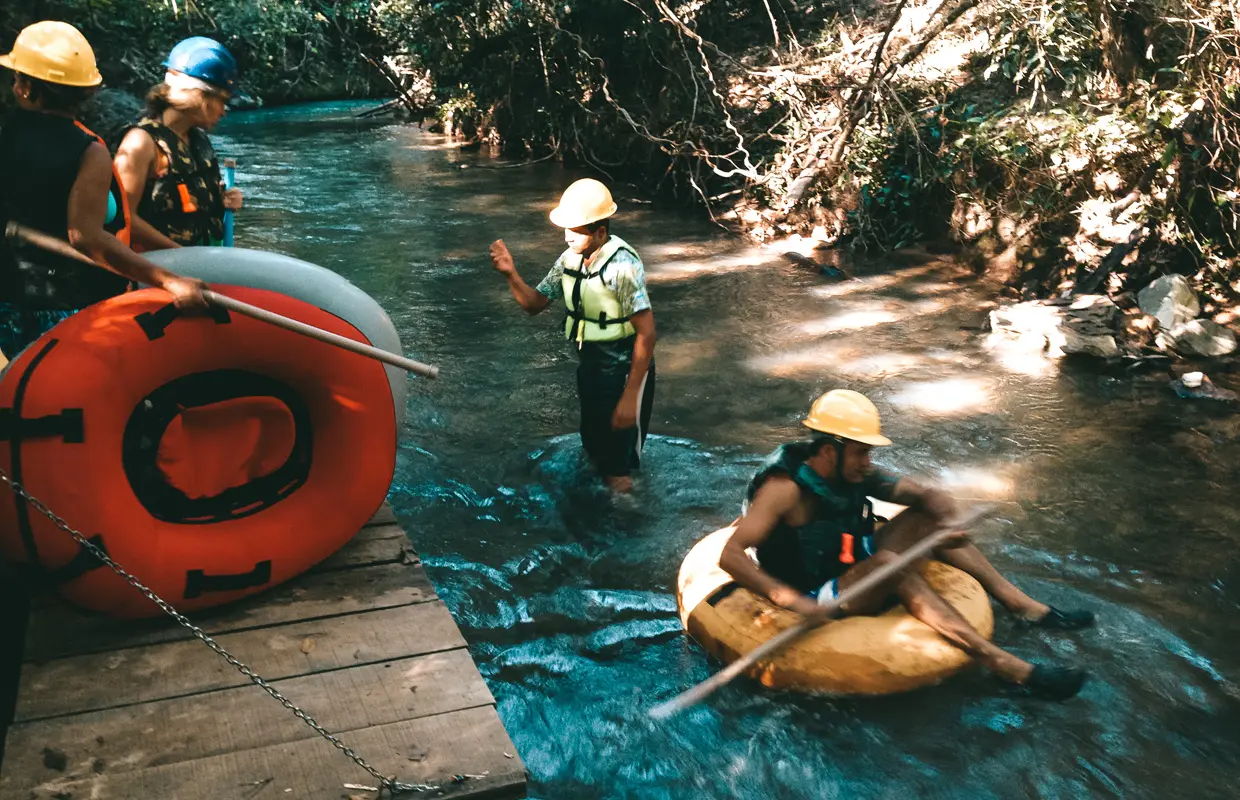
(594, 313)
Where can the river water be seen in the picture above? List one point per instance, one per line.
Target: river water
(1115, 494)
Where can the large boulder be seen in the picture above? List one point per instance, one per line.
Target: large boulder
(110, 113)
(1170, 299)
(1198, 337)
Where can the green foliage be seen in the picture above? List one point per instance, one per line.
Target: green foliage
(1050, 107)
(1045, 46)
(298, 49)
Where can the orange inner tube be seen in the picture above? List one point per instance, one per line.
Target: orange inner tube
(212, 456)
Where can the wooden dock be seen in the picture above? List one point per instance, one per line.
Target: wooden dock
(113, 710)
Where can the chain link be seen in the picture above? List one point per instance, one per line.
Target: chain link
(392, 785)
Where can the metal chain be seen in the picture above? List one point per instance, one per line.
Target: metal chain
(393, 786)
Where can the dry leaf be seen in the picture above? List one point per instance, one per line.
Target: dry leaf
(307, 644)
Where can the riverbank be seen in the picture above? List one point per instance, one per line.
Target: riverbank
(1065, 147)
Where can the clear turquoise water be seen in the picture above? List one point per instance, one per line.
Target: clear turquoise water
(1117, 495)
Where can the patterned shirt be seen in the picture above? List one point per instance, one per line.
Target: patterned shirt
(624, 276)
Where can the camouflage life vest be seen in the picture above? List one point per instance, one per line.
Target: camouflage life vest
(184, 200)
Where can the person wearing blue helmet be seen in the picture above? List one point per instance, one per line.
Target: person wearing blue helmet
(166, 162)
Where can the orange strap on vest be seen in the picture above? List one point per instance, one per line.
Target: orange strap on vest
(846, 549)
(123, 233)
(188, 206)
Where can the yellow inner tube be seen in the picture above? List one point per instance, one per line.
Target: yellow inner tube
(884, 654)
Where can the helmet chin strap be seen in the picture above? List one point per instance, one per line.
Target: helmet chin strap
(838, 443)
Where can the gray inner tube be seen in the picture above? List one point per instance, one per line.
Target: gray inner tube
(310, 283)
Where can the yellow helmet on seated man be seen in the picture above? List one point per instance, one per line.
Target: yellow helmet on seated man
(583, 202)
(848, 415)
(55, 52)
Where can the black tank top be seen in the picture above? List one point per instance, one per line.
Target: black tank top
(40, 156)
(807, 556)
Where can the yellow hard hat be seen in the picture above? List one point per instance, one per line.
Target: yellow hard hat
(585, 201)
(55, 52)
(847, 414)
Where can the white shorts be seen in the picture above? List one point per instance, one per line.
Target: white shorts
(828, 592)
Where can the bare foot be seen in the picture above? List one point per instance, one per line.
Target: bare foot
(619, 483)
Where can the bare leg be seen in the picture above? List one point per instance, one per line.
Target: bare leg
(969, 559)
(926, 605)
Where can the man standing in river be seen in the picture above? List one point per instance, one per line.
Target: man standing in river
(603, 284)
(810, 523)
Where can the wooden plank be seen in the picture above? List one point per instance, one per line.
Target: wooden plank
(143, 674)
(378, 544)
(384, 516)
(429, 749)
(243, 718)
(362, 549)
(62, 630)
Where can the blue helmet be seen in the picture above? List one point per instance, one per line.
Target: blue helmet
(204, 59)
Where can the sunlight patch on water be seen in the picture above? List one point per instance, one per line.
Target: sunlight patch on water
(872, 283)
(949, 397)
(987, 481)
(848, 321)
(684, 269)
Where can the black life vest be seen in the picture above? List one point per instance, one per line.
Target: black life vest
(840, 534)
(40, 158)
(184, 201)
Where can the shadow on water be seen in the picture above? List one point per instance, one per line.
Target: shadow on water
(1116, 495)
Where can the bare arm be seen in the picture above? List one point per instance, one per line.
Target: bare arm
(135, 161)
(935, 502)
(88, 201)
(778, 496)
(529, 299)
(625, 415)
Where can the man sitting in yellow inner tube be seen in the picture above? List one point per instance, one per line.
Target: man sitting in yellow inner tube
(809, 519)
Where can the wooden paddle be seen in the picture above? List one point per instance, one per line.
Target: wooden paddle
(41, 240)
(771, 647)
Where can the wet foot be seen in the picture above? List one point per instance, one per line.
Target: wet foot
(1057, 620)
(1052, 683)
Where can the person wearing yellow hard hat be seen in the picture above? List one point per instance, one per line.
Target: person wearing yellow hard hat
(602, 282)
(810, 522)
(56, 176)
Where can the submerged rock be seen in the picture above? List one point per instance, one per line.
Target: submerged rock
(1198, 386)
(1170, 299)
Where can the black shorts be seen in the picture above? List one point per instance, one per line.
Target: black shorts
(602, 375)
